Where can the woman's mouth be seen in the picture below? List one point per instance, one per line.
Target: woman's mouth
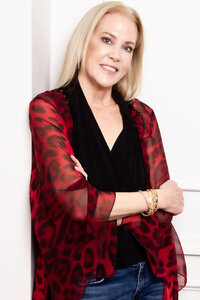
(109, 68)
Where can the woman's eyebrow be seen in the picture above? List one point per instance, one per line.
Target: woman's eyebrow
(113, 36)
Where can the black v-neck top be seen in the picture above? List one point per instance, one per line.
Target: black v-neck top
(120, 169)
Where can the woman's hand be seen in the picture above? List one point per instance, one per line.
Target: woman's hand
(170, 197)
(78, 166)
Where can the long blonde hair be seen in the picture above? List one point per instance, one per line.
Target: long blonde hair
(78, 44)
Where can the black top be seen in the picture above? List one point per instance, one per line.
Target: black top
(120, 169)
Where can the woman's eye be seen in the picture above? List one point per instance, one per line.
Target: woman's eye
(106, 40)
(128, 49)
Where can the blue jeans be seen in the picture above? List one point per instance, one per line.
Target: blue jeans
(133, 282)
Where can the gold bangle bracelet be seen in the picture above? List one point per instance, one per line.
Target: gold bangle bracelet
(150, 210)
(151, 202)
(155, 199)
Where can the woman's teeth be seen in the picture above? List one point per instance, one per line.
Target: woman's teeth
(109, 68)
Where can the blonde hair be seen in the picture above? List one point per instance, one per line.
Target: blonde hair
(78, 44)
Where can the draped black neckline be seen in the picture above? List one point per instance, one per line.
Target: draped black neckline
(120, 168)
(98, 128)
(117, 140)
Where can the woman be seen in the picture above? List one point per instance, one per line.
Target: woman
(101, 197)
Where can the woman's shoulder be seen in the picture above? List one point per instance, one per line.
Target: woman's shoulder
(50, 96)
(143, 115)
(137, 106)
(53, 99)
(51, 105)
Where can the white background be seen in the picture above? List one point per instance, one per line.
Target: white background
(15, 150)
(34, 35)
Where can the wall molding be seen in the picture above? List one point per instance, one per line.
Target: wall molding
(191, 190)
(191, 288)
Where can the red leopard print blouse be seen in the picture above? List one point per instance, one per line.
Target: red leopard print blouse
(75, 239)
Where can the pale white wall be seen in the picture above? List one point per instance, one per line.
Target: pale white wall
(15, 150)
(41, 50)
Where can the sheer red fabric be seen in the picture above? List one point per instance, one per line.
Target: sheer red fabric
(75, 239)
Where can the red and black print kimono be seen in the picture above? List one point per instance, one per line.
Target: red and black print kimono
(75, 239)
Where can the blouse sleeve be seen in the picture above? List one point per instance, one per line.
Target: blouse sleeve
(61, 186)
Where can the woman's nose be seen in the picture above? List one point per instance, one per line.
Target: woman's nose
(115, 54)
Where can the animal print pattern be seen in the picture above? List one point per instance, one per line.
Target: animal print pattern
(75, 239)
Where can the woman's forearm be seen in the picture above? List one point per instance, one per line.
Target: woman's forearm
(170, 199)
(127, 204)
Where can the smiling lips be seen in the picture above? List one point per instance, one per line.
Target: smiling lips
(109, 68)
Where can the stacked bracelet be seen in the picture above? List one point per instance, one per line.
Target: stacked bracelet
(151, 202)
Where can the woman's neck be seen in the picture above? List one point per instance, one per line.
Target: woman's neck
(94, 94)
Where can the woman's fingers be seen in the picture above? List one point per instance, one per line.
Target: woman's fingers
(171, 197)
(119, 222)
(75, 160)
(78, 166)
(81, 170)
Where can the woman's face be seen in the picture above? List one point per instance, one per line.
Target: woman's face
(110, 50)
